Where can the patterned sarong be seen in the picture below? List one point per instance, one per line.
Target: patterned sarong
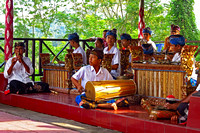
(87, 103)
(183, 112)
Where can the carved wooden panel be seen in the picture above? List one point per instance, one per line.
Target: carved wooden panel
(124, 60)
(107, 60)
(45, 58)
(136, 53)
(77, 60)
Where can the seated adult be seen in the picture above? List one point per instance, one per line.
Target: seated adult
(17, 71)
(74, 42)
(111, 49)
(93, 72)
(182, 107)
(148, 46)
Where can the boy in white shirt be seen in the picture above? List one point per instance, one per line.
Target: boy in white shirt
(111, 49)
(74, 42)
(94, 72)
(126, 41)
(147, 35)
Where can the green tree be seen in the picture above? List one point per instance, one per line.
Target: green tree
(34, 18)
(123, 15)
(182, 14)
(156, 19)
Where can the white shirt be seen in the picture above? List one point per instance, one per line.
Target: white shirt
(19, 73)
(80, 50)
(130, 58)
(194, 75)
(198, 88)
(88, 73)
(176, 58)
(153, 44)
(150, 42)
(115, 60)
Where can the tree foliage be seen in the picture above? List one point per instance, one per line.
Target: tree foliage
(182, 14)
(58, 18)
(37, 18)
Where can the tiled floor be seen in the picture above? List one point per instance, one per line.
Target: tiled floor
(14, 124)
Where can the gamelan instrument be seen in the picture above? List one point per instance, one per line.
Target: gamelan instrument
(108, 89)
(58, 75)
(157, 111)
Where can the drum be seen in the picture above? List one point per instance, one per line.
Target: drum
(108, 89)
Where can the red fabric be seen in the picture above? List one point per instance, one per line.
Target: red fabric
(8, 29)
(141, 24)
(105, 43)
(123, 48)
(6, 92)
(170, 97)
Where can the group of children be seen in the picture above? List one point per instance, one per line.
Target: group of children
(108, 45)
(94, 72)
(19, 68)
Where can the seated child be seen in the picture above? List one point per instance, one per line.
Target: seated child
(175, 30)
(126, 41)
(111, 49)
(74, 42)
(99, 45)
(93, 72)
(178, 41)
(148, 46)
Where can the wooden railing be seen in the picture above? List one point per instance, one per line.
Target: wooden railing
(41, 43)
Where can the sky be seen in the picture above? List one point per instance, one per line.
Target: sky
(197, 13)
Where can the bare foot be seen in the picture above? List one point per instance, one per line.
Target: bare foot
(114, 105)
(174, 118)
(152, 117)
(81, 103)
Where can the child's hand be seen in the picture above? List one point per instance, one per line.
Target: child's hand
(14, 60)
(19, 58)
(80, 89)
(171, 106)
